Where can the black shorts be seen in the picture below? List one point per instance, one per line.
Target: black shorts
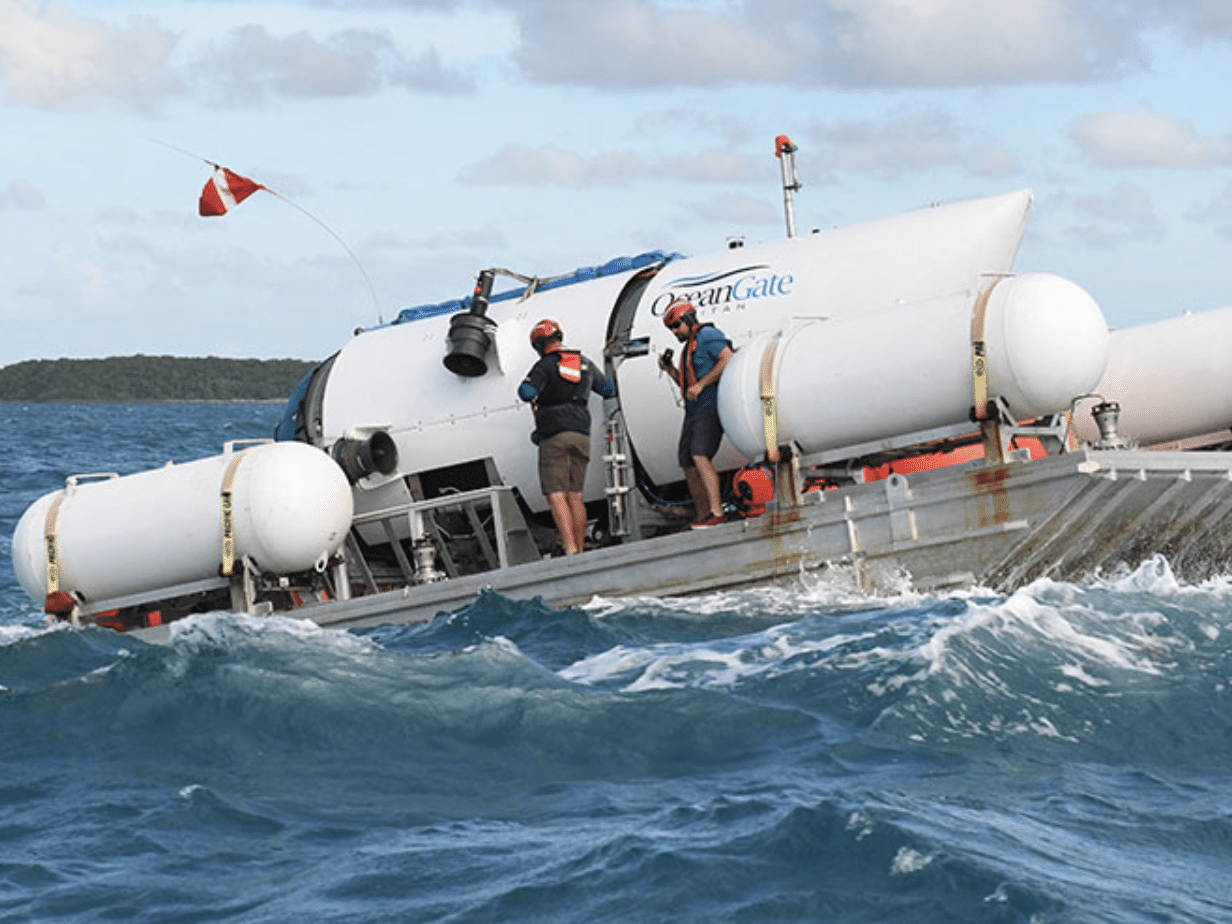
(700, 436)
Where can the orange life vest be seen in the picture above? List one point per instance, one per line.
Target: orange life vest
(688, 375)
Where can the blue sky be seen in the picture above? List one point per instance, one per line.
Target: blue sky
(440, 137)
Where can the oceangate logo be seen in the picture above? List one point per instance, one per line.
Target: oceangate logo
(726, 288)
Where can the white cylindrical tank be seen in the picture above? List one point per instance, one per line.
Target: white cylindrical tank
(291, 507)
(908, 369)
(1170, 378)
(841, 275)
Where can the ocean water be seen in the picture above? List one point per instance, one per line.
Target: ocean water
(791, 753)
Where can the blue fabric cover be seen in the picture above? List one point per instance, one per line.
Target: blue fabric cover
(582, 274)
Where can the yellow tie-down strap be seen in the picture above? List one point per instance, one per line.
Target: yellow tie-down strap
(769, 404)
(979, 351)
(228, 515)
(52, 544)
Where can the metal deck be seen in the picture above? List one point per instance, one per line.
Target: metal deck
(1064, 517)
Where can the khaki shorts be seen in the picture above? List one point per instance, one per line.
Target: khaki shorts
(562, 462)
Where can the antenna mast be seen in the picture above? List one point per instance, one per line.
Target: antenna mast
(785, 151)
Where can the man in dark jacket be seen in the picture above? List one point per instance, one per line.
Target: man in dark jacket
(558, 387)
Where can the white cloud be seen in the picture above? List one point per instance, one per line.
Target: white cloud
(251, 63)
(641, 43)
(20, 194)
(427, 73)
(521, 164)
(1217, 212)
(1205, 20)
(714, 165)
(551, 165)
(1122, 214)
(845, 43)
(911, 141)
(1125, 204)
(947, 42)
(694, 114)
(54, 59)
(737, 211)
(1146, 138)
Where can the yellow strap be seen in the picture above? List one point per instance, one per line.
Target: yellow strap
(769, 406)
(228, 515)
(979, 352)
(52, 544)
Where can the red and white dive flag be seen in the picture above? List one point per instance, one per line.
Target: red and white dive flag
(224, 191)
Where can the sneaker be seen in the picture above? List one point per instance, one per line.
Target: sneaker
(712, 520)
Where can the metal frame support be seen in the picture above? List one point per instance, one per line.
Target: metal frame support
(1000, 429)
(244, 587)
(787, 483)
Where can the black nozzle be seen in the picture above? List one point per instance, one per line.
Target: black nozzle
(483, 292)
(470, 333)
(360, 457)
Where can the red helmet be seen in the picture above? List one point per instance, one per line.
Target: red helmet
(677, 310)
(544, 331)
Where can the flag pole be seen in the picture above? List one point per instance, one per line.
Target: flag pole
(295, 205)
(330, 231)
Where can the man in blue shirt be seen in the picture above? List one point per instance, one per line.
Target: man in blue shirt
(558, 387)
(702, 361)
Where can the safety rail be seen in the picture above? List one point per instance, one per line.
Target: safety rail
(510, 542)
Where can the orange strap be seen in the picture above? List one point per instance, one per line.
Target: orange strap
(688, 375)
